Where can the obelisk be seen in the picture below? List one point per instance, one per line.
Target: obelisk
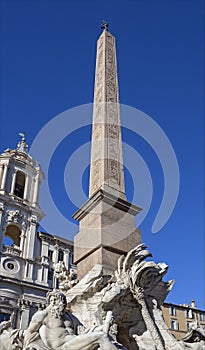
(107, 219)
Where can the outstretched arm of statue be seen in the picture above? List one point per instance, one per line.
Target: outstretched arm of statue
(37, 320)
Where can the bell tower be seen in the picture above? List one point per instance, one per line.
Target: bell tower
(21, 274)
(20, 179)
(27, 256)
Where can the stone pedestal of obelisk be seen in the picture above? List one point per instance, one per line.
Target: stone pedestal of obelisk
(107, 219)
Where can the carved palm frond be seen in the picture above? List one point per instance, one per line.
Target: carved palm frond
(129, 267)
(120, 264)
(132, 255)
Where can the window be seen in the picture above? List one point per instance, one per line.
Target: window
(201, 317)
(19, 185)
(50, 275)
(60, 255)
(188, 324)
(10, 266)
(50, 255)
(188, 313)
(172, 311)
(4, 317)
(174, 325)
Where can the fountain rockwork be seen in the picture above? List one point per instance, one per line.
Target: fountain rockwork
(120, 311)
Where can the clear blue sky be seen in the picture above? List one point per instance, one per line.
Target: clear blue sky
(47, 67)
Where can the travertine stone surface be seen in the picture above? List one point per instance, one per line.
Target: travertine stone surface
(106, 153)
(107, 220)
(107, 230)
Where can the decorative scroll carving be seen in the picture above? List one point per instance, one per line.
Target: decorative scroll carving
(15, 216)
(33, 219)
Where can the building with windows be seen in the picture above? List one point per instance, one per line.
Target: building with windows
(27, 257)
(178, 318)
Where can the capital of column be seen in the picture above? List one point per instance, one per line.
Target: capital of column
(24, 304)
(33, 220)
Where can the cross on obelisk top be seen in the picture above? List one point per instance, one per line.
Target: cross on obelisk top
(104, 25)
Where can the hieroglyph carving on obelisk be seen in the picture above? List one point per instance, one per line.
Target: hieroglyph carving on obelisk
(107, 220)
(106, 152)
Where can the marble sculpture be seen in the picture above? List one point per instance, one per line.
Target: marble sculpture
(120, 311)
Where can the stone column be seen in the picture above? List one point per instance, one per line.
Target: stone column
(22, 242)
(25, 195)
(44, 249)
(29, 270)
(1, 226)
(36, 187)
(30, 244)
(1, 173)
(55, 254)
(14, 319)
(13, 182)
(3, 183)
(25, 314)
(66, 258)
(45, 273)
(31, 237)
(43, 268)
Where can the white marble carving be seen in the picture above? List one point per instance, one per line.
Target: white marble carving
(134, 295)
(122, 311)
(106, 111)
(53, 328)
(15, 216)
(66, 279)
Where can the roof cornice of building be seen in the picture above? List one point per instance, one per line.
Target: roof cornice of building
(54, 238)
(182, 306)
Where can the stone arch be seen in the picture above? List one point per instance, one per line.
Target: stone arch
(12, 234)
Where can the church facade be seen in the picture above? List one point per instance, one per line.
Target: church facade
(27, 256)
